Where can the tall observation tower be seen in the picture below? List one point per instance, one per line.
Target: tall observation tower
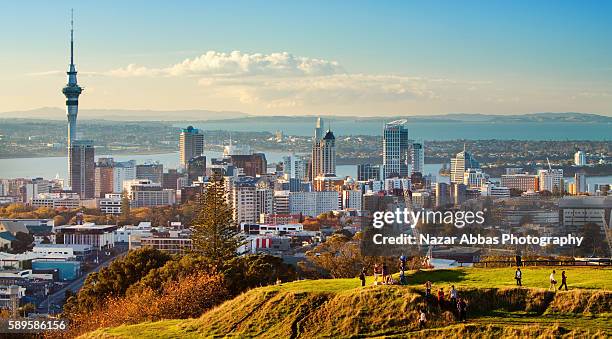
(72, 90)
(81, 168)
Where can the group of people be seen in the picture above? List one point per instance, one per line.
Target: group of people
(382, 276)
(518, 276)
(456, 303)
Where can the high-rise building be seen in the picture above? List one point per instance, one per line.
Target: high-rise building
(196, 167)
(294, 166)
(474, 177)
(153, 171)
(104, 177)
(580, 158)
(328, 154)
(82, 168)
(459, 164)
(395, 149)
(551, 179)
(191, 144)
(367, 172)
(417, 154)
(580, 183)
(252, 164)
(143, 193)
(122, 171)
(323, 156)
(522, 182)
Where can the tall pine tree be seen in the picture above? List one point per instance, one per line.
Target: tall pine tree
(215, 234)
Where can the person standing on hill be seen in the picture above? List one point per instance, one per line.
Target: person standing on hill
(453, 295)
(376, 268)
(385, 273)
(362, 276)
(441, 298)
(462, 309)
(553, 281)
(518, 275)
(427, 288)
(563, 281)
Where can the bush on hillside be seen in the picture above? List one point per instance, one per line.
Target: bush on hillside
(188, 297)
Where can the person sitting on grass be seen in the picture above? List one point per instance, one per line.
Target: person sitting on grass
(422, 319)
(427, 288)
(563, 281)
(462, 309)
(518, 275)
(553, 281)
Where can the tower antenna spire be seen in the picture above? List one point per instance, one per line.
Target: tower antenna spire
(72, 36)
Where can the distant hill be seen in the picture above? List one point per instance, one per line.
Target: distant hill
(54, 113)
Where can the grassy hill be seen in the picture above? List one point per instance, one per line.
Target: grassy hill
(341, 308)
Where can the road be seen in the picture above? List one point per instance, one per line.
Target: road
(57, 298)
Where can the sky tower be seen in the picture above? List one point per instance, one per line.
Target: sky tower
(72, 90)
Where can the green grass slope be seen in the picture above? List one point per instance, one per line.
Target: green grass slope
(341, 308)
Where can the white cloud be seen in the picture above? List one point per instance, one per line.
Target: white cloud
(285, 80)
(236, 63)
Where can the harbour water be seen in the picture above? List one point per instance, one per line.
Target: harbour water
(52, 167)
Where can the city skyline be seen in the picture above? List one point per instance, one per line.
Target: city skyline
(377, 60)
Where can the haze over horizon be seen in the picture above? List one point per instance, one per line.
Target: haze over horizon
(295, 59)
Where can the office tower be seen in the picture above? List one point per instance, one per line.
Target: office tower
(104, 177)
(580, 158)
(580, 182)
(82, 171)
(294, 166)
(417, 154)
(323, 156)
(474, 177)
(459, 164)
(170, 179)
(122, 171)
(196, 167)
(243, 199)
(252, 164)
(459, 193)
(152, 171)
(265, 198)
(191, 144)
(395, 149)
(316, 167)
(144, 193)
(442, 194)
(551, 180)
(367, 172)
(328, 154)
(522, 182)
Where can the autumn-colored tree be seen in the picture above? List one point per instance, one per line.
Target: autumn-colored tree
(340, 256)
(114, 280)
(215, 234)
(188, 297)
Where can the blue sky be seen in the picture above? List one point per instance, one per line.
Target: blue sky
(391, 57)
